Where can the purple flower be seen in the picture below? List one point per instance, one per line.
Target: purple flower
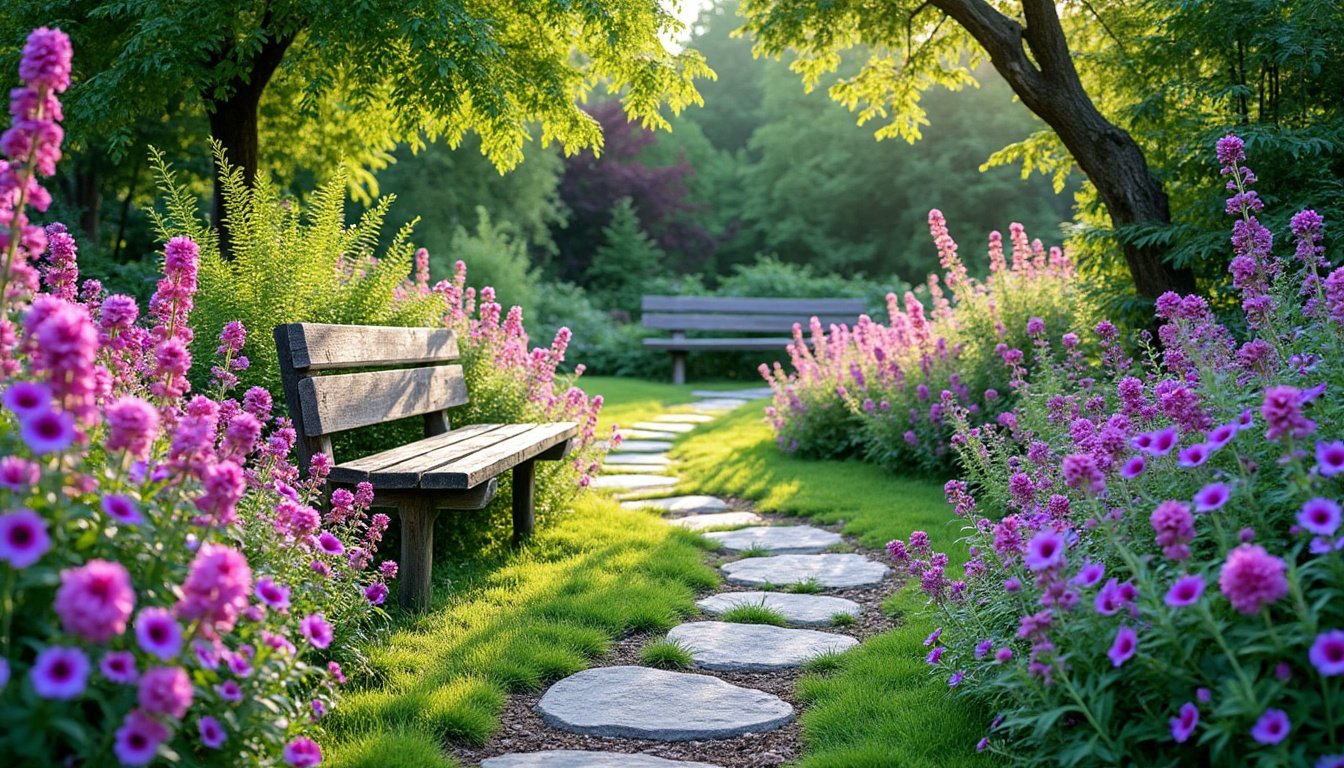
(1194, 456)
(212, 733)
(158, 633)
(1252, 578)
(27, 398)
(1320, 516)
(1045, 551)
(1003, 655)
(316, 629)
(229, 691)
(1133, 468)
(273, 595)
(376, 593)
(1212, 497)
(1327, 653)
(1330, 458)
(1012, 584)
(1330, 761)
(1221, 435)
(982, 745)
(1126, 643)
(1184, 724)
(95, 600)
(1157, 443)
(138, 739)
(1089, 574)
(1203, 695)
(933, 636)
(1175, 528)
(1272, 727)
(1282, 672)
(983, 648)
(122, 509)
(165, 691)
(1185, 591)
(119, 667)
(934, 656)
(1114, 596)
(23, 538)
(59, 673)
(329, 544)
(956, 678)
(302, 753)
(48, 432)
(4, 672)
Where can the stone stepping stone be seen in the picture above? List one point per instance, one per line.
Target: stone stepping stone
(829, 571)
(641, 703)
(665, 426)
(726, 647)
(720, 520)
(807, 610)
(638, 482)
(680, 505)
(718, 405)
(754, 393)
(646, 434)
(642, 446)
(576, 758)
(628, 469)
(638, 458)
(780, 540)
(683, 418)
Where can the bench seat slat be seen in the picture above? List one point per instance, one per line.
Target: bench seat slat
(408, 472)
(779, 323)
(322, 346)
(732, 304)
(357, 470)
(753, 343)
(471, 470)
(349, 400)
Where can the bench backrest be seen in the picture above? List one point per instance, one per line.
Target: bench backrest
(759, 315)
(416, 379)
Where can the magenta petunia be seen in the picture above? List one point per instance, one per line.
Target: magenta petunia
(1089, 574)
(48, 432)
(1193, 456)
(1126, 643)
(1327, 653)
(212, 733)
(1330, 458)
(1220, 436)
(18, 474)
(229, 691)
(1045, 551)
(273, 595)
(95, 600)
(60, 673)
(1320, 516)
(1212, 497)
(27, 398)
(1186, 591)
(1183, 725)
(337, 674)
(1252, 578)
(119, 667)
(1157, 443)
(1133, 468)
(302, 753)
(376, 593)
(165, 691)
(122, 509)
(329, 544)
(137, 740)
(1272, 727)
(158, 633)
(316, 629)
(23, 538)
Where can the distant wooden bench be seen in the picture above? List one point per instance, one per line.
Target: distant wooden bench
(448, 469)
(680, 314)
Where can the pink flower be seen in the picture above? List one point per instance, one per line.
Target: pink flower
(229, 691)
(1184, 724)
(48, 432)
(1320, 516)
(212, 733)
(302, 753)
(334, 669)
(1327, 653)
(59, 673)
(1045, 551)
(1252, 578)
(19, 474)
(329, 544)
(1157, 443)
(1133, 468)
(165, 691)
(1272, 727)
(1175, 528)
(1114, 596)
(376, 593)
(1330, 458)
(132, 426)
(95, 600)
(1126, 643)
(122, 509)
(388, 568)
(23, 538)
(1003, 655)
(273, 595)
(217, 586)
(1089, 574)
(27, 398)
(316, 629)
(158, 633)
(1193, 456)
(138, 739)
(1212, 497)
(1282, 409)
(1185, 591)
(119, 667)
(1080, 471)
(46, 59)
(1221, 435)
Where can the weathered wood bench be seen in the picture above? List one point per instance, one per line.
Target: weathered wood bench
(448, 469)
(680, 314)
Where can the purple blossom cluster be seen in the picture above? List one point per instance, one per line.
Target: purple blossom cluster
(1162, 540)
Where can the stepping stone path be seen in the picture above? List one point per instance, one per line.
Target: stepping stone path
(661, 706)
(643, 703)
(807, 610)
(784, 540)
(827, 571)
(727, 647)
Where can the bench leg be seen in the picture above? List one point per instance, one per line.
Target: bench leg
(524, 516)
(678, 367)
(417, 554)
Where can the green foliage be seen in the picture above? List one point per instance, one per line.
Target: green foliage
(623, 264)
(843, 619)
(754, 614)
(666, 654)
(497, 258)
(291, 263)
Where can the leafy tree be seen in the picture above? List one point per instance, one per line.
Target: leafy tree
(367, 74)
(913, 45)
(624, 262)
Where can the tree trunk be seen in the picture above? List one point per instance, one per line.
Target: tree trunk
(1048, 85)
(233, 123)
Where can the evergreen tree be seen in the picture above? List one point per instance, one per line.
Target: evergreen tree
(627, 258)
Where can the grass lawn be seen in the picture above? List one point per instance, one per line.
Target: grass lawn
(877, 705)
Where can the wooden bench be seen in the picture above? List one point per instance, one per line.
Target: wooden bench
(723, 314)
(448, 469)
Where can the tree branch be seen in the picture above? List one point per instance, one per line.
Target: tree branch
(1045, 36)
(1001, 37)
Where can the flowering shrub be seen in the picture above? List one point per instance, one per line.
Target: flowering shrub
(1155, 548)
(886, 390)
(168, 588)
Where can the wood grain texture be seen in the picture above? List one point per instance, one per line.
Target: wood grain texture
(468, 471)
(348, 400)
(417, 554)
(358, 470)
(524, 516)
(410, 471)
(759, 323)
(321, 347)
(728, 304)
